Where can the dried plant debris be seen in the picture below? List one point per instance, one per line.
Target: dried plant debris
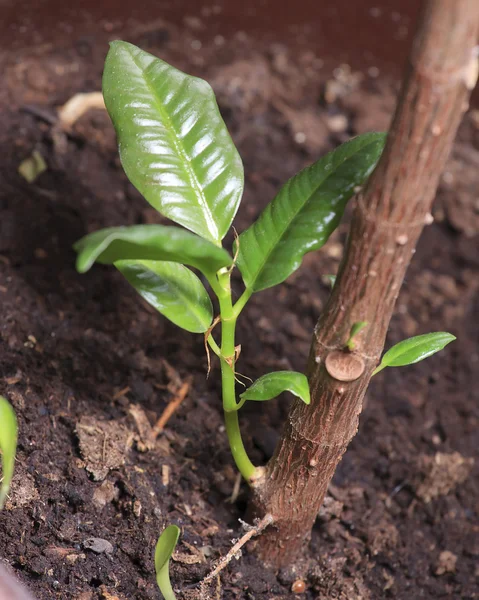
(23, 490)
(103, 445)
(32, 167)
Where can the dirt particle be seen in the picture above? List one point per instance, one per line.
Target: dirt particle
(72, 558)
(84, 596)
(441, 474)
(105, 594)
(446, 563)
(106, 493)
(330, 509)
(165, 475)
(337, 123)
(334, 250)
(298, 587)
(23, 490)
(137, 508)
(382, 536)
(389, 580)
(57, 552)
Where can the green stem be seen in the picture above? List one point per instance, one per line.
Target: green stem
(245, 466)
(214, 346)
(228, 326)
(241, 302)
(164, 583)
(378, 369)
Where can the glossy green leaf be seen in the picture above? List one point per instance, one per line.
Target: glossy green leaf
(173, 290)
(164, 549)
(150, 242)
(305, 212)
(414, 349)
(8, 446)
(271, 385)
(173, 143)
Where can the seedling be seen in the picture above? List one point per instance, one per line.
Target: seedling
(176, 150)
(8, 446)
(164, 549)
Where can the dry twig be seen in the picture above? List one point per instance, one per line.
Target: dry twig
(223, 562)
(171, 408)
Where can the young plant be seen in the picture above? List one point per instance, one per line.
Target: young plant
(164, 549)
(176, 150)
(8, 446)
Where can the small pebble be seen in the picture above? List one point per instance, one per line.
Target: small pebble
(298, 587)
(98, 545)
(337, 123)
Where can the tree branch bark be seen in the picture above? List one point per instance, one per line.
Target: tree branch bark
(388, 219)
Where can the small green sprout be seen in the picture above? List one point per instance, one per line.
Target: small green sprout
(331, 279)
(8, 446)
(355, 329)
(176, 150)
(164, 549)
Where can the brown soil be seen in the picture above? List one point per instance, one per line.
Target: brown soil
(84, 360)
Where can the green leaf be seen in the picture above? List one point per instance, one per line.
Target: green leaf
(271, 385)
(150, 242)
(173, 290)
(164, 549)
(8, 446)
(414, 349)
(173, 143)
(305, 212)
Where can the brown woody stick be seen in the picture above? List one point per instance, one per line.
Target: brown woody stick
(388, 219)
(225, 560)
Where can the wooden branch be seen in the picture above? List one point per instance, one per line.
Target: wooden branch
(387, 221)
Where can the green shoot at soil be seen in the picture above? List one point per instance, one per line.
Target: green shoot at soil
(176, 150)
(355, 329)
(164, 549)
(8, 446)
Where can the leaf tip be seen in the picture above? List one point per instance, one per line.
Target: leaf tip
(115, 43)
(82, 265)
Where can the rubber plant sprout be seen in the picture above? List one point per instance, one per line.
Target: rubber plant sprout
(176, 150)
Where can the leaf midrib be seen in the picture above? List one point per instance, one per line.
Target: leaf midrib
(259, 271)
(195, 184)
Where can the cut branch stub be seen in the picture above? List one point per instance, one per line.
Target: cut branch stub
(344, 366)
